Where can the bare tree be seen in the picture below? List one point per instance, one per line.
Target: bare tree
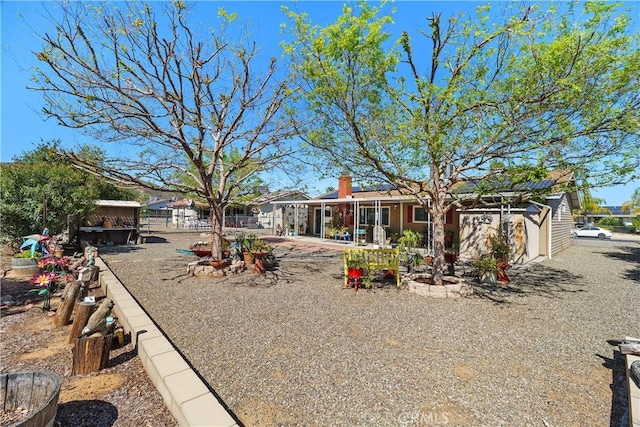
(194, 114)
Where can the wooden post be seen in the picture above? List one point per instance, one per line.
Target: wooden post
(66, 306)
(80, 319)
(91, 354)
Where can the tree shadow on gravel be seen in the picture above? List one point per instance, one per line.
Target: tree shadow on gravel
(532, 280)
(123, 249)
(86, 413)
(630, 255)
(619, 414)
(289, 266)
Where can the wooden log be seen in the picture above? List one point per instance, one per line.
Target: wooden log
(66, 307)
(95, 273)
(76, 265)
(91, 354)
(83, 312)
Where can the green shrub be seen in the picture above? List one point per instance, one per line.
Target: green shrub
(27, 254)
(609, 221)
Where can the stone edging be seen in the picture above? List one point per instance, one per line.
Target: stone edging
(187, 397)
(634, 391)
(453, 290)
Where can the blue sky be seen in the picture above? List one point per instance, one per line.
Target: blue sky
(22, 126)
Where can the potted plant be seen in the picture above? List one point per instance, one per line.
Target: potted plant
(245, 243)
(410, 239)
(499, 246)
(356, 266)
(25, 263)
(259, 250)
(487, 268)
(357, 272)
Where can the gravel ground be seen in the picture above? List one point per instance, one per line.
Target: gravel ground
(295, 348)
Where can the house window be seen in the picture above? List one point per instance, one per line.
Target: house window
(368, 216)
(420, 215)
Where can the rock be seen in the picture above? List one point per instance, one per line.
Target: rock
(629, 348)
(236, 266)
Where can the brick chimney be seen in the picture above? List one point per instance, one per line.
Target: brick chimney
(344, 186)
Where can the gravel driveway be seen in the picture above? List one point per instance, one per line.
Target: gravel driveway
(294, 348)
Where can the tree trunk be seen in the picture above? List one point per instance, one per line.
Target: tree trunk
(216, 230)
(66, 306)
(80, 320)
(91, 354)
(438, 242)
(438, 217)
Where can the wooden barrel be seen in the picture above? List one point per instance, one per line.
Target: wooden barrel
(24, 267)
(35, 391)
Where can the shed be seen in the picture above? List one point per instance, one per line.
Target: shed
(114, 222)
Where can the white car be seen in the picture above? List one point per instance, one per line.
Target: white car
(591, 231)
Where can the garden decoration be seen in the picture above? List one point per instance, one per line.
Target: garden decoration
(369, 260)
(91, 349)
(54, 274)
(36, 242)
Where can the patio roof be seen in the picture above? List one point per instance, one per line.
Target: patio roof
(336, 201)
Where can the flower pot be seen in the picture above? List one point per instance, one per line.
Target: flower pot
(248, 258)
(24, 267)
(218, 264)
(36, 392)
(490, 276)
(355, 272)
(201, 252)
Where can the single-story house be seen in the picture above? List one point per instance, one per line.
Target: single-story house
(187, 211)
(114, 222)
(373, 213)
(280, 216)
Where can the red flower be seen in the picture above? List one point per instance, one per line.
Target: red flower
(46, 280)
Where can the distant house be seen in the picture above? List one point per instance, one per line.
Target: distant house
(534, 228)
(159, 208)
(616, 212)
(187, 211)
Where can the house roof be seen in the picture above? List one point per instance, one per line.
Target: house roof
(554, 178)
(363, 191)
(387, 192)
(119, 203)
(278, 195)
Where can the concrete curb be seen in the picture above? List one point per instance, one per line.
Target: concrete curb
(634, 391)
(188, 398)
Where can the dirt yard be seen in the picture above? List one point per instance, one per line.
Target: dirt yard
(120, 395)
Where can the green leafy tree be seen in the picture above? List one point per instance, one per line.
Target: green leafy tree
(632, 206)
(524, 87)
(197, 112)
(40, 189)
(590, 205)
